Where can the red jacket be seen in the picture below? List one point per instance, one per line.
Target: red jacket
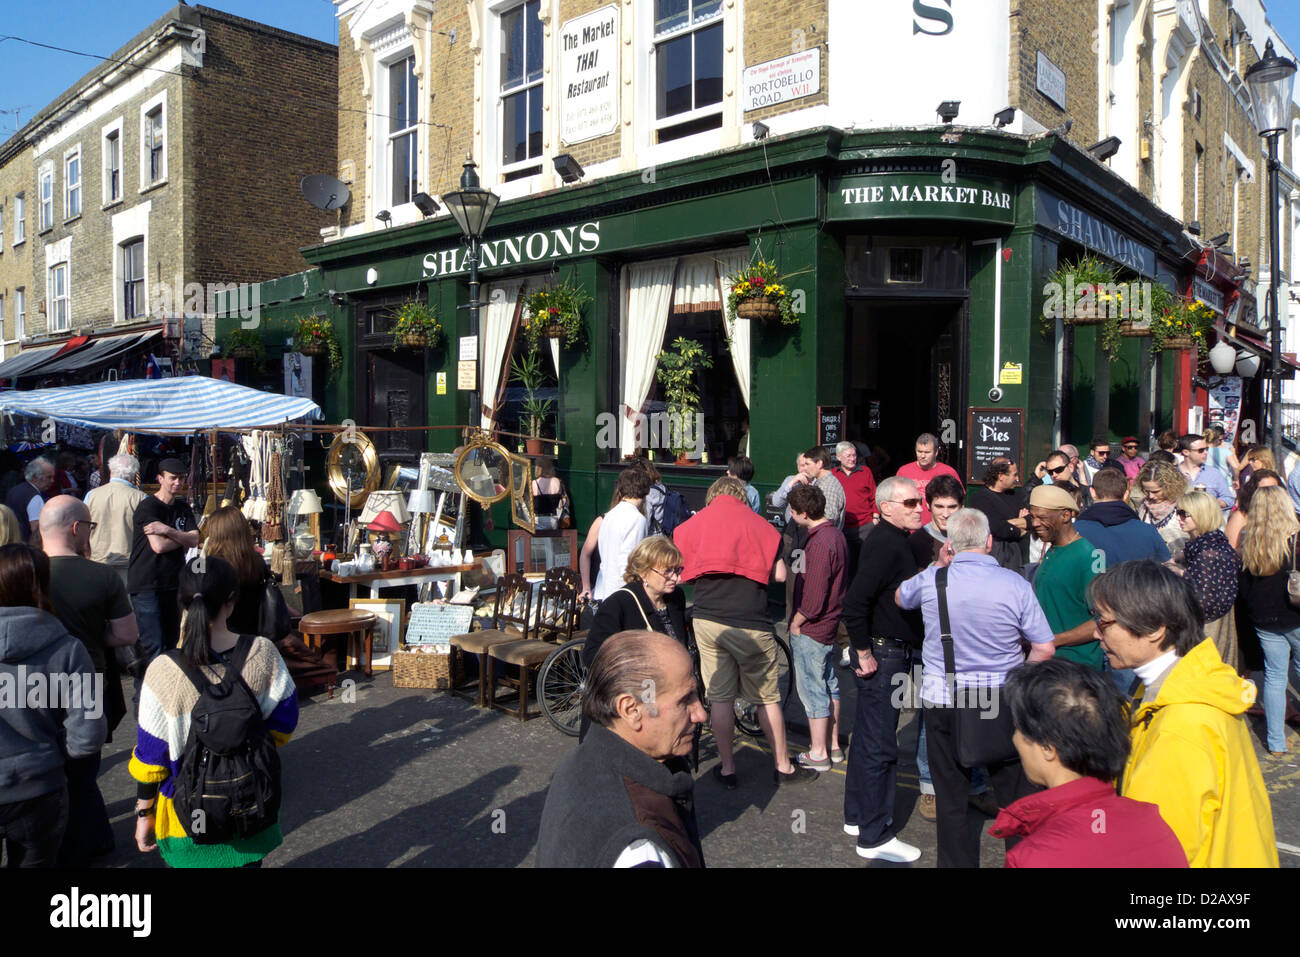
(1086, 824)
(727, 537)
(859, 496)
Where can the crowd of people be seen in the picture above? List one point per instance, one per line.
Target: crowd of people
(1094, 637)
(98, 589)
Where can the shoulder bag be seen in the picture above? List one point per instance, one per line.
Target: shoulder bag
(1293, 580)
(980, 736)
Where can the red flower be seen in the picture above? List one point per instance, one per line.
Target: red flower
(553, 311)
(759, 280)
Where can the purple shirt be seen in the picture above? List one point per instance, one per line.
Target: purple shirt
(990, 609)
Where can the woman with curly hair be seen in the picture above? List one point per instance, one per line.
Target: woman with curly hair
(1268, 554)
(1162, 484)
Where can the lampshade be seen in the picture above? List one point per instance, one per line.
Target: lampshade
(384, 522)
(391, 499)
(1271, 80)
(420, 502)
(305, 501)
(1222, 358)
(1247, 364)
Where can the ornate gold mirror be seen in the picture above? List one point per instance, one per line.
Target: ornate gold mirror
(521, 493)
(352, 452)
(483, 470)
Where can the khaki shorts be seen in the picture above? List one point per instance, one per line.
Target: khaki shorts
(737, 662)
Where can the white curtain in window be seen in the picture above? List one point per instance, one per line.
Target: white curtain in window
(502, 299)
(696, 288)
(728, 264)
(649, 294)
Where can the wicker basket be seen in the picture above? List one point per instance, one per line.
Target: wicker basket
(1134, 331)
(415, 340)
(555, 331)
(1180, 342)
(243, 352)
(416, 669)
(757, 308)
(315, 347)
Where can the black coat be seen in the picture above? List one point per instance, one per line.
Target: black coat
(622, 611)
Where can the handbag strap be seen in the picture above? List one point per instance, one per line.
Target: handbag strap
(636, 601)
(945, 626)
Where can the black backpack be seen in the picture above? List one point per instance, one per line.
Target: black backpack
(674, 513)
(228, 785)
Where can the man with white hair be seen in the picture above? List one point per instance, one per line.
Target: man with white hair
(883, 638)
(859, 494)
(111, 507)
(27, 497)
(989, 610)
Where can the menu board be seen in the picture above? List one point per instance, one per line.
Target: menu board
(991, 433)
(830, 425)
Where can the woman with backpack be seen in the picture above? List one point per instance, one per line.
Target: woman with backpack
(251, 709)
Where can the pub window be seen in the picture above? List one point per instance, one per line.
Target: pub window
(906, 264)
(521, 90)
(403, 117)
(688, 67)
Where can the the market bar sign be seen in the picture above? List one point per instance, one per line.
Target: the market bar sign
(1072, 222)
(920, 195)
(539, 246)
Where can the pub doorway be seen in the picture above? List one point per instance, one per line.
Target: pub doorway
(905, 375)
(392, 388)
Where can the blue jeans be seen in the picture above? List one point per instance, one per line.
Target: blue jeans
(872, 778)
(979, 782)
(815, 678)
(1281, 654)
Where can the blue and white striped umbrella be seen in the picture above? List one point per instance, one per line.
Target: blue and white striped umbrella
(183, 404)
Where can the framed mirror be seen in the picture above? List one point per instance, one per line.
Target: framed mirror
(482, 470)
(352, 465)
(521, 493)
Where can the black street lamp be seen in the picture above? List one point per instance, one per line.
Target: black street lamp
(1271, 81)
(472, 207)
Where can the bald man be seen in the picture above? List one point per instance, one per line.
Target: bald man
(91, 601)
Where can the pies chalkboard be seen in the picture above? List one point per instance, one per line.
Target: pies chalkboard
(991, 433)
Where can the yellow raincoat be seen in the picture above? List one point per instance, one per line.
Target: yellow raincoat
(1193, 758)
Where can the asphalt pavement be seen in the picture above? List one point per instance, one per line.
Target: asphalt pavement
(384, 777)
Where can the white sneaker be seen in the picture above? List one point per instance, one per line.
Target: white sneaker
(851, 830)
(892, 850)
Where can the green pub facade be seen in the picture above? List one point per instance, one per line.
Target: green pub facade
(915, 258)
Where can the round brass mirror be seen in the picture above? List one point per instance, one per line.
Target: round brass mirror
(352, 451)
(482, 470)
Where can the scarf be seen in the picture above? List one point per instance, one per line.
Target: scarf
(727, 537)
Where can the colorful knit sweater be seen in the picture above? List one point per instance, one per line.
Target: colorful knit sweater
(166, 701)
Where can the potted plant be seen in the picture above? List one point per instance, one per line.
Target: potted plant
(527, 371)
(245, 344)
(1159, 302)
(759, 292)
(314, 336)
(677, 371)
(1186, 325)
(555, 312)
(415, 325)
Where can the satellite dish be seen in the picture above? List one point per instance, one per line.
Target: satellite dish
(324, 191)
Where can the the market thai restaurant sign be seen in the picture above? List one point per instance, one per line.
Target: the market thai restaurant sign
(1207, 294)
(589, 76)
(913, 195)
(1084, 228)
(784, 79)
(543, 245)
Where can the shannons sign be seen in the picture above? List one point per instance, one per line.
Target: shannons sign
(1084, 228)
(544, 244)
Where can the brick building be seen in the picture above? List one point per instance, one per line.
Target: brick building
(917, 243)
(168, 172)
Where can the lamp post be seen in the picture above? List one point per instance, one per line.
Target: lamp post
(472, 207)
(1271, 81)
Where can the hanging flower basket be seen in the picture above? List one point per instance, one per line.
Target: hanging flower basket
(314, 336)
(315, 348)
(415, 325)
(1185, 326)
(243, 352)
(554, 311)
(555, 330)
(415, 340)
(1179, 342)
(764, 310)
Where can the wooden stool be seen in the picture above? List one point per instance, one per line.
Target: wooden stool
(319, 625)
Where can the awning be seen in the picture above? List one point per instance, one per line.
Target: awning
(99, 350)
(182, 405)
(29, 359)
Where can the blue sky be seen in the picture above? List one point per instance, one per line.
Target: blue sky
(30, 76)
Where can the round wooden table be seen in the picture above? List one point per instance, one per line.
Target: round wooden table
(340, 622)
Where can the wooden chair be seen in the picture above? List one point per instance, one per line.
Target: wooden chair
(510, 617)
(556, 620)
(568, 576)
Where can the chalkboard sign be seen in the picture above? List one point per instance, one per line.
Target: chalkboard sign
(991, 433)
(830, 425)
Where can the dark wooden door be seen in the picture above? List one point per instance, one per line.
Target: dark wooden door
(397, 401)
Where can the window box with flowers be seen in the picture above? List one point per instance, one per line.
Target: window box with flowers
(759, 292)
(1185, 326)
(415, 325)
(315, 336)
(554, 311)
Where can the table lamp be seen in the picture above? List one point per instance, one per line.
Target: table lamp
(305, 501)
(419, 504)
(386, 525)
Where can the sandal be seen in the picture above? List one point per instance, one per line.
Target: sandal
(726, 780)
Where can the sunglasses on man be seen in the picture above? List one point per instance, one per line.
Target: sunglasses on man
(1058, 470)
(906, 502)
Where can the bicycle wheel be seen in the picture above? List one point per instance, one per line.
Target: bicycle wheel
(560, 684)
(747, 711)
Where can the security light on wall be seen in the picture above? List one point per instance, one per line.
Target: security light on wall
(948, 110)
(1064, 128)
(1221, 239)
(570, 169)
(425, 203)
(1004, 117)
(1194, 227)
(1105, 149)
(385, 217)
(761, 130)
